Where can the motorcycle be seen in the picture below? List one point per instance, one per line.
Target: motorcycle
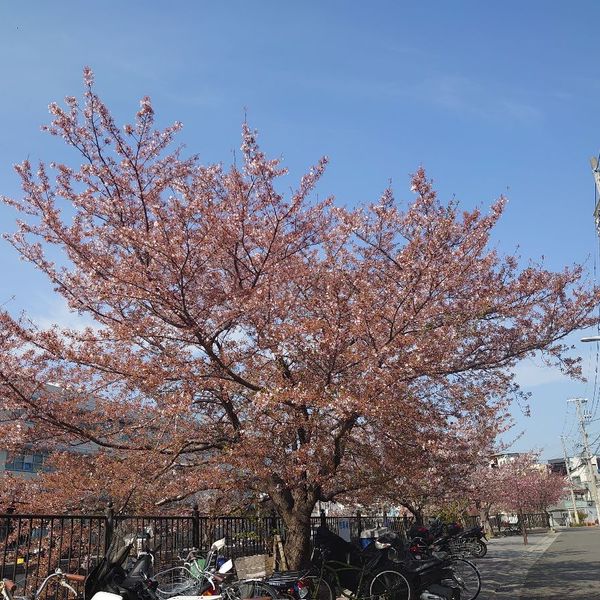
(450, 538)
(472, 540)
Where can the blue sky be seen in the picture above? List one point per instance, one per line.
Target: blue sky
(492, 99)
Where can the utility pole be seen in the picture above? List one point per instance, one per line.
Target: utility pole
(587, 454)
(596, 172)
(575, 513)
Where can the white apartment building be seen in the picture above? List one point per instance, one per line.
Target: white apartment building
(581, 485)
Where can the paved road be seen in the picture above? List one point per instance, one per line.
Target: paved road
(553, 566)
(568, 569)
(505, 568)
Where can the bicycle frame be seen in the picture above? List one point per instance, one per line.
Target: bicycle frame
(330, 570)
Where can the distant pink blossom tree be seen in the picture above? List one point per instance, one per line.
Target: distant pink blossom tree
(521, 485)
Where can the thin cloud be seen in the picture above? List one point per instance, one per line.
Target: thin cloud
(57, 313)
(454, 93)
(528, 374)
(464, 95)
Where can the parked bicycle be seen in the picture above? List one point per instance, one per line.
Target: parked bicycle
(429, 566)
(199, 578)
(371, 573)
(8, 588)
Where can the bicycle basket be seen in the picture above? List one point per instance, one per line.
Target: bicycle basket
(197, 567)
(176, 581)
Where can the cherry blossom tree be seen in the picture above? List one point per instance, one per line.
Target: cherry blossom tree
(520, 485)
(249, 339)
(484, 490)
(440, 473)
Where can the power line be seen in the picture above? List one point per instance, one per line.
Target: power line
(568, 418)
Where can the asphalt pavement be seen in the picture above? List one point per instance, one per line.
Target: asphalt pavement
(504, 568)
(561, 565)
(569, 568)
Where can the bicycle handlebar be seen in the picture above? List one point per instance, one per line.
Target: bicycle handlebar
(9, 585)
(63, 578)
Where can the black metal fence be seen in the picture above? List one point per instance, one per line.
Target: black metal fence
(502, 524)
(32, 546)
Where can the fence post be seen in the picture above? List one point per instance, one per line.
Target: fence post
(273, 523)
(358, 522)
(195, 527)
(110, 524)
(323, 519)
(7, 529)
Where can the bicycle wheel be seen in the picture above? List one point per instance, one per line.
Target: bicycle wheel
(318, 588)
(251, 588)
(478, 549)
(389, 585)
(464, 573)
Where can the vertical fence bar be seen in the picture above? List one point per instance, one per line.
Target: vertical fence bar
(28, 551)
(50, 546)
(99, 526)
(16, 553)
(323, 518)
(7, 532)
(108, 532)
(80, 547)
(195, 527)
(39, 551)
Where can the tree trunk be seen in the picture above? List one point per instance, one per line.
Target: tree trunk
(417, 511)
(297, 537)
(484, 519)
(523, 526)
(418, 514)
(295, 506)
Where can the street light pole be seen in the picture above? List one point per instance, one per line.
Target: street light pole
(587, 455)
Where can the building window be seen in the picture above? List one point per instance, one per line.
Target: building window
(25, 463)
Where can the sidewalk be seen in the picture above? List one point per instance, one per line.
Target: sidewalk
(504, 569)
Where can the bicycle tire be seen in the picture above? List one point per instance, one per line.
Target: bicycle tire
(250, 588)
(319, 588)
(478, 549)
(466, 575)
(389, 585)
